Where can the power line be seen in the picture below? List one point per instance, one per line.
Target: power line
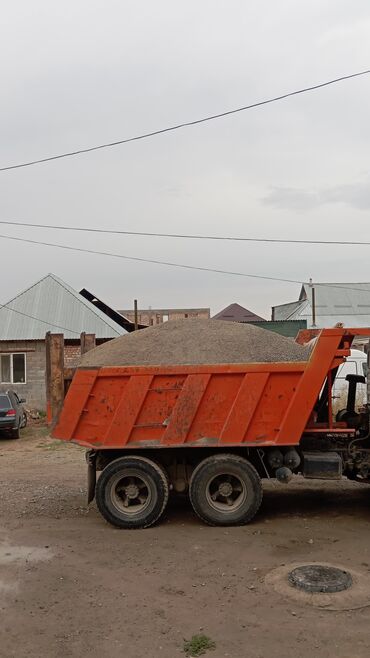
(148, 260)
(337, 285)
(186, 235)
(171, 264)
(185, 124)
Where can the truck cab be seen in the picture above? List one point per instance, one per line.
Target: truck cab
(355, 364)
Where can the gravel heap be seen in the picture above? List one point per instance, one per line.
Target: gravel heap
(185, 342)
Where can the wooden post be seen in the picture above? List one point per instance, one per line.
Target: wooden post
(88, 342)
(135, 315)
(54, 344)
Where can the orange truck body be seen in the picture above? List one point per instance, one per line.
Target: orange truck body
(222, 405)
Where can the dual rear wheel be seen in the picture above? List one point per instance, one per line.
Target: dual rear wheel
(224, 489)
(132, 492)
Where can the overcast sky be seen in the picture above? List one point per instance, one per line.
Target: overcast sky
(76, 74)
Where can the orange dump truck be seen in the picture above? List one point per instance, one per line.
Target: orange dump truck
(213, 432)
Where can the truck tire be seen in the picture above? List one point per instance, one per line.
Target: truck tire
(225, 490)
(132, 492)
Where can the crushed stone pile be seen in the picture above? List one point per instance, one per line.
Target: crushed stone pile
(195, 341)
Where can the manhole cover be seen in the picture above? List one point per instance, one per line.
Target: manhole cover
(318, 578)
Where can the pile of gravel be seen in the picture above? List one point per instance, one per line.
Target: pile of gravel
(186, 342)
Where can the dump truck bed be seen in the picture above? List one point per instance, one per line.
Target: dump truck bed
(250, 404)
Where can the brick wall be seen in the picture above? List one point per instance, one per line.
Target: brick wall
(72, 354)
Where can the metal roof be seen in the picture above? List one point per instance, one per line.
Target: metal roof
(52, 305)
(288, 311)
(348, 303)
(237, 313)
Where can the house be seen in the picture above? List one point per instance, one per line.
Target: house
(48, 305)
(151, 316)
(348, 303)
(325, 304)
(236, 313)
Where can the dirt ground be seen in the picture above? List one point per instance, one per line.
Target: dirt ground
(71, 586)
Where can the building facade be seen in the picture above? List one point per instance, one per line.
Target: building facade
(323, 305)
(48, 305)
(153, 316)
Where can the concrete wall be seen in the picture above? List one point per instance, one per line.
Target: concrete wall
(34, 390)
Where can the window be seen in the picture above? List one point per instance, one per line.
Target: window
(347, 368)
(5, 368)
(4, 403)
(13, 368)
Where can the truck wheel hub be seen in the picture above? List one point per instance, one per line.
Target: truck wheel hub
(225, 489)
(132, 491)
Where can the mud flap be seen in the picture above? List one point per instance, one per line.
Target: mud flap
(91, 476)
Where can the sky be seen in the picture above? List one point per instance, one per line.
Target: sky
(77, 74)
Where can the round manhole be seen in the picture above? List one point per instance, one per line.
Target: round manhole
(319, 578)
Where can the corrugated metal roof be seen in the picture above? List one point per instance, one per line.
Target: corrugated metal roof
(348, 303)
(52, 305)
(289, 311)
(237, 313)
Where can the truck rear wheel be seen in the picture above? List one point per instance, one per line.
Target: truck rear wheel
(132, 492)
(225, 490)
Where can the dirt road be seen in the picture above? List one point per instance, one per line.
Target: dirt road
(73, 587)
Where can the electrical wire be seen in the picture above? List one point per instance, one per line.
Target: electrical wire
(337, 285)
(178, 265)
(187, 236)
(185, 124)
(147, 260)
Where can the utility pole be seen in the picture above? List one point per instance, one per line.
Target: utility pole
(135, 315)
(313, 303)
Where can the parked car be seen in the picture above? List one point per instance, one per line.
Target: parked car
(13, 417)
